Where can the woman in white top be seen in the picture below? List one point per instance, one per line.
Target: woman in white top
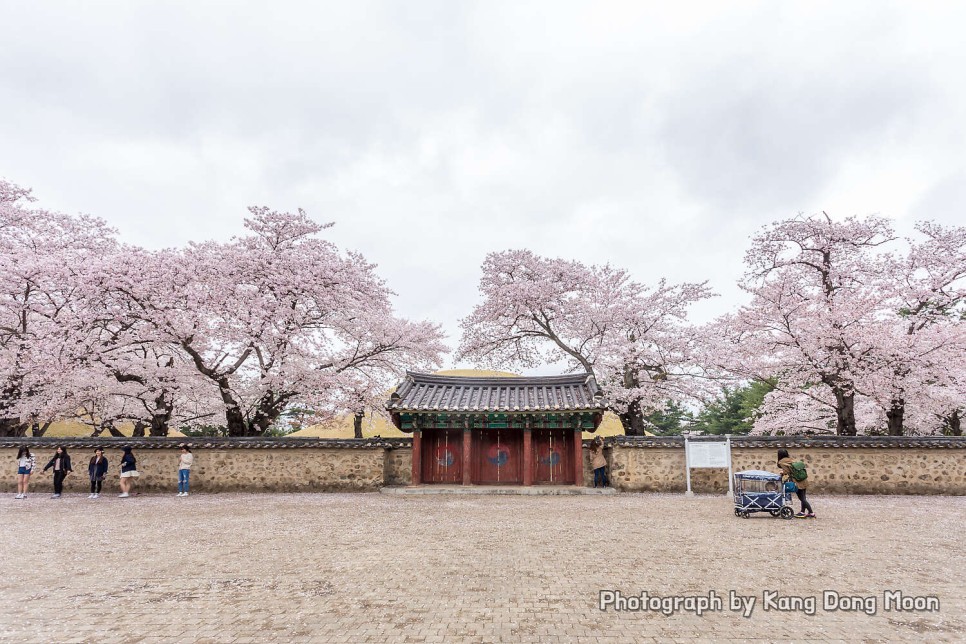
(184, 470)
(25, 466)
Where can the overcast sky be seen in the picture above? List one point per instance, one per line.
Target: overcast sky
(651, 137)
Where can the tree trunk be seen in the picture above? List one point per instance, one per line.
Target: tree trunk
(235, 421)
(139, 429)
(632, 419)
(157, 428)
(12, 427)
(896, 415)
(163, 409)
(268, 410)
(357, 423)
(109, 426)
(953, 423)
(844, 413)
(234, 418)
(39, 429)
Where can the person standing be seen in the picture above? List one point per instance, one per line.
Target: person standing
(794, 471)
(598, 463)
(97, 470)
(25, 466)
(184, 470)
(61, 464)
(129, 472)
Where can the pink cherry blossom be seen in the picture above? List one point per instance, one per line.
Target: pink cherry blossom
(635, 340)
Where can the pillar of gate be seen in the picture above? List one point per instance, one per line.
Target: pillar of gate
(578, 457)
(417, 457)
(527, 457)
(467, 456)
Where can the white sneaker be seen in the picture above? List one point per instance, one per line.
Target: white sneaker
(55, 496)
(123, 495)
(185, 494)
(95, 496)
(19, 496)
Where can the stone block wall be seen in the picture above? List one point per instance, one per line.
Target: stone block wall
(835, 465)
(314, 468)
(399, 466)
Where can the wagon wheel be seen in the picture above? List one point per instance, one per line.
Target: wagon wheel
(737, 512)
(774, 513)
(787, 512)
(745, 515)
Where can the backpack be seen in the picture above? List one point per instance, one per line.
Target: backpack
(798, 471)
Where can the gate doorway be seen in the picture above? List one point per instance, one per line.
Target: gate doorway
(498, 457)
(553, 462)
(442, 456)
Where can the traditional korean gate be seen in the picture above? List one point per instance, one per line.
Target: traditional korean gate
(498, 456)
(442, 456)
(553, 456)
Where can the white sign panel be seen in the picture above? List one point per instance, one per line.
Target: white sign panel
(707, 454)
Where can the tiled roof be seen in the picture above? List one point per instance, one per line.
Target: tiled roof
(428, 392)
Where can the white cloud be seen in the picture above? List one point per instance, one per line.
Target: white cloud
(656, 136)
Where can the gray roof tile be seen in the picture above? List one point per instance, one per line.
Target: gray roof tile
(430, 392)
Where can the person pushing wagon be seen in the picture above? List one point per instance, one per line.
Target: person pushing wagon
(794, 472)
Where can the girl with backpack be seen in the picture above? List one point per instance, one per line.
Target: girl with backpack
(794, 472)
(25, 466)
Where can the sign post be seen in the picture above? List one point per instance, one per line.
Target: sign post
(687, 466)
(707, 455)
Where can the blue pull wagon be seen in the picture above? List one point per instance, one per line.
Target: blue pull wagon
(760, 491)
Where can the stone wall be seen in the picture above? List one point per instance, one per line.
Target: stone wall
(399, 466)
(284, 468)
(835, 465)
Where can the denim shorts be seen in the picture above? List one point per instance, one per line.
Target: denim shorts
(23, 470)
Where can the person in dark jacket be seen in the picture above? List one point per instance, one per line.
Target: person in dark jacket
(61, 464)
(129, 471)
(785, 463)
(97, 470)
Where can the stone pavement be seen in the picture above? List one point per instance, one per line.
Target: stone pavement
(373, 568)
(491, 490)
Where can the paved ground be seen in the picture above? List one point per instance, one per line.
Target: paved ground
(360, 568)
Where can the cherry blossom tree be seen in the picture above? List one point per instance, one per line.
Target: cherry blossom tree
(635, 340)
(921, 338)
(131, 374)
(850, 328)
(243, 330)
(816, 287)
(44, 258)
(276, 318)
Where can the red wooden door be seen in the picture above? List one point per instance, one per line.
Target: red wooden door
(497, 456)
(442, 458)
(553, 456)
